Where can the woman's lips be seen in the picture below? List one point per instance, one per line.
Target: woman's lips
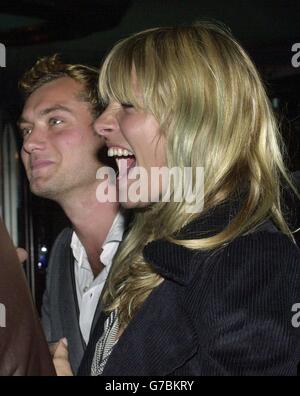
(124, 165)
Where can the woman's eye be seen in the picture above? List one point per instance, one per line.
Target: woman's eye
(126, 105)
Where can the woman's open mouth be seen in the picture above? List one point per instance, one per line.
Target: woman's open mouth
(125, 160)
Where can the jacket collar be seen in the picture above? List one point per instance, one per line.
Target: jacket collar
(176, 262)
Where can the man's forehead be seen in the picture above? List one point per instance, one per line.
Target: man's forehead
(61, 94)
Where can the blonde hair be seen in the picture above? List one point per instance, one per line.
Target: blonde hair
(213, 109)
(50, 68)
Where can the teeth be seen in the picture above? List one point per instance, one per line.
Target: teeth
(118, 152)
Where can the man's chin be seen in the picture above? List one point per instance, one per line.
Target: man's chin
(41, 190)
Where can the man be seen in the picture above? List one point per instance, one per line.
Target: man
(60, 154)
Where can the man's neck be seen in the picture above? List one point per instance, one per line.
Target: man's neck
(91, 220)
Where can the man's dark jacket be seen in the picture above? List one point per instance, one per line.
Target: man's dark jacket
(60, 312)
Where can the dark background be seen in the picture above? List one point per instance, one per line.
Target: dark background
(83, 31)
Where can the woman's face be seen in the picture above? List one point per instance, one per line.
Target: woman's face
(134, 138)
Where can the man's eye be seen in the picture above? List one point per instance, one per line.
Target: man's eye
(25, 131)
(55, 121)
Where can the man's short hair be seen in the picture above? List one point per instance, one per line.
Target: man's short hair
(50, 68)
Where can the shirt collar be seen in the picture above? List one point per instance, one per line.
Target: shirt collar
(78, 250)
(115, 235)
(112, 241)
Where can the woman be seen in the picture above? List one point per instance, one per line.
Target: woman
(207, 293)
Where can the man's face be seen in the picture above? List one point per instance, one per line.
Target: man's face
(59, 144)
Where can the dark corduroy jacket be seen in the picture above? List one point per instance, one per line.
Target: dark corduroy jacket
(223, 312)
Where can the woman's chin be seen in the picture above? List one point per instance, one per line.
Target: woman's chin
(128, 204)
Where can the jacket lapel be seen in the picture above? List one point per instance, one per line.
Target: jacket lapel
(157, 340)
(69, 306)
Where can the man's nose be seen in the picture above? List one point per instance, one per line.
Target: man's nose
(106, 122)
(35, 140)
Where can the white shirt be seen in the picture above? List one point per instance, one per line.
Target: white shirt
(89, 289)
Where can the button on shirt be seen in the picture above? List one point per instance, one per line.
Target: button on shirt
(88, 288)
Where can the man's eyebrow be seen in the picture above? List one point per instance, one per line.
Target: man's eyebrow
(21, 120)
(54, 108)
(46, 111)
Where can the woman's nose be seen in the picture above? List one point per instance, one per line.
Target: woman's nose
(106, 122)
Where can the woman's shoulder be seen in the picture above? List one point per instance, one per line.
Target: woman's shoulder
(260, 256)
(257, 270)
(265, 244)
